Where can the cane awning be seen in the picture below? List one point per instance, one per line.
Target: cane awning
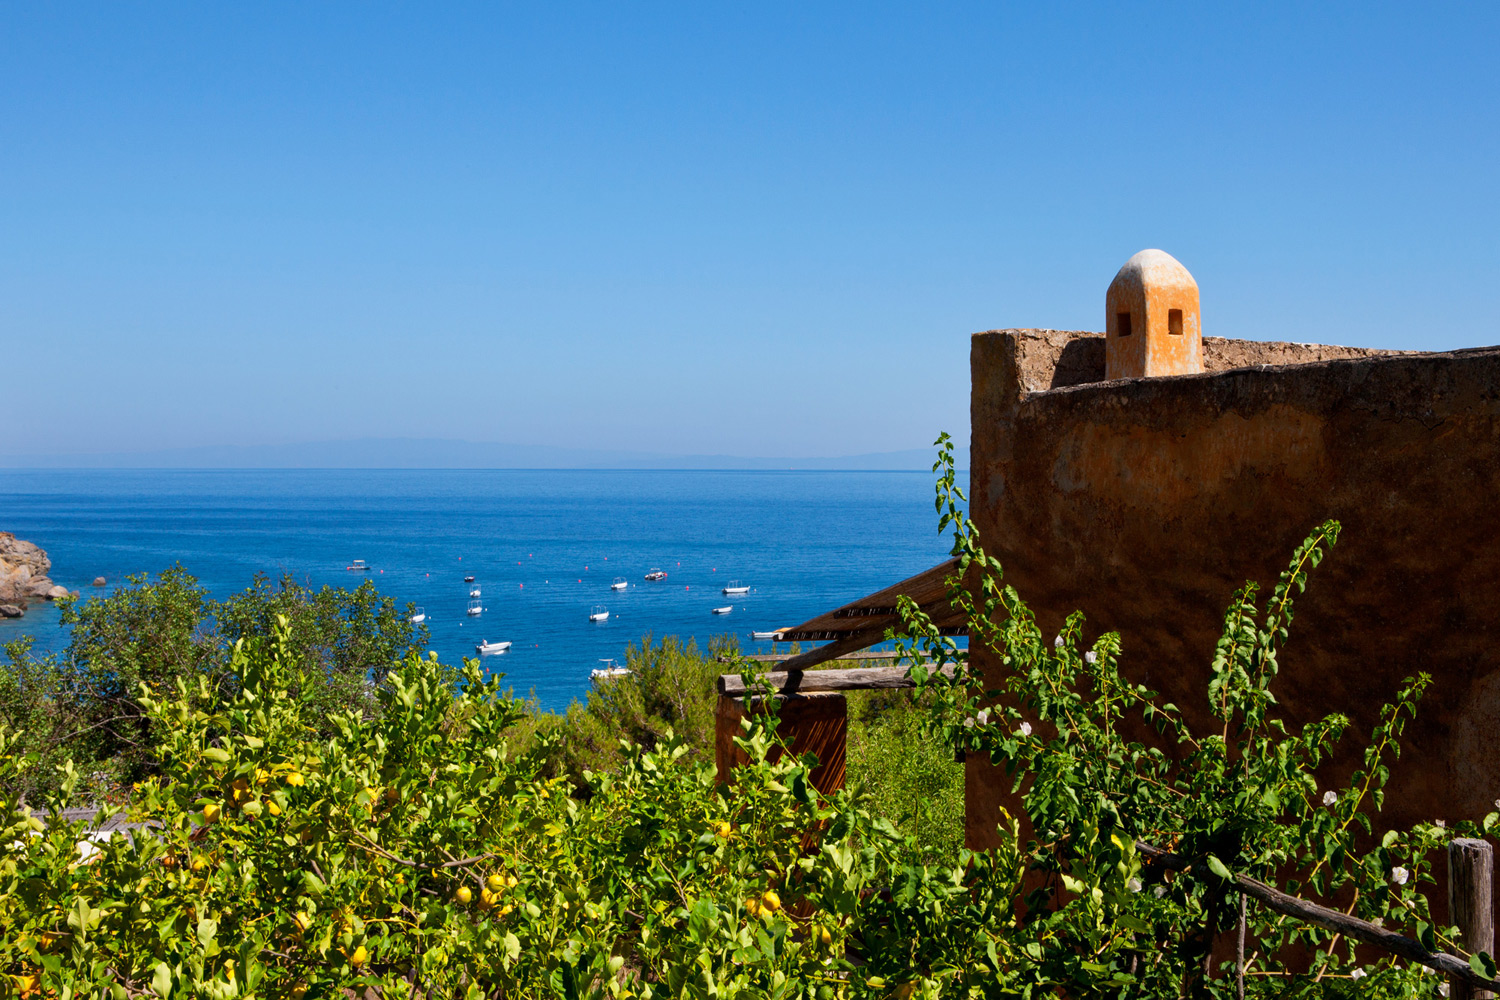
(863, 623)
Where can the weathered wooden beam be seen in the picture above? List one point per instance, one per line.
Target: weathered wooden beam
(865, 654)
(1471, 880)
(800, 682)
(1455, 968)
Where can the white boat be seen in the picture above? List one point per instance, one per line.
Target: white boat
(487, 648)
(598, 613)
(724, 610)
(656, 574)
(474, 591)
(610, 671)
(735, 587)
(358, 566)
(475, 608)
(762, 636)
(419, 617)
(619, 584)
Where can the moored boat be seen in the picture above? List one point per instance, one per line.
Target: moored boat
(419, 617)
(358, 566)
(475, 608)
(656, 574)
(735, 587)
(598, 613)
(490, 648)
(610, 671)
(724, 610)
(619, 584)
(762, 636)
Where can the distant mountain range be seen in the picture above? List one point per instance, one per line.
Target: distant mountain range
(437, 453)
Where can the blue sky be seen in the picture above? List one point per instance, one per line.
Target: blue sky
(761, 230)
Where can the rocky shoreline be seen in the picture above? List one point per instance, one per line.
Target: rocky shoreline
(23, 576)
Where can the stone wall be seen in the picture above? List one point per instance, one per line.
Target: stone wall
(1146, 502)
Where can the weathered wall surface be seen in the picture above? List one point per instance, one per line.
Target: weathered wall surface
(1145, 503)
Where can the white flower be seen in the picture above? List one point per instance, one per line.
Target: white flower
(1438, 822)
(984, 717)
(1330, 798)
(1159, 891)
(1025, 729)
(1357, 974)
(1057, 643)
(1091, 657)
(1399, 875)
(969, 722)
(1443, 988)
(1133, 884)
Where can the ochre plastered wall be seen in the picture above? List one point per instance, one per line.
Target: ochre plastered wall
(1145, 503)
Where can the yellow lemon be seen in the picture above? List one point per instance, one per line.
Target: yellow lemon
(771, 900)
(825, 937)
(464, 895)
(358, 958)
(505, 910)
(302, 922)
(495, 883)
(510, 881)
(486, 899)
(211, 813)
(240, 785)
(298, 991)
(752, 906)
(724, 830)
(199, 864)
(272, 807)
(294, 779)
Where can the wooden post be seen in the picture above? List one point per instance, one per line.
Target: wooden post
(810, 722)
(1471, 877)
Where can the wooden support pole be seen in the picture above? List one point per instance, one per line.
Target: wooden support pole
(812, 723)
(1471, 878)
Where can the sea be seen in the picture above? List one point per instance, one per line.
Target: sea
(543, 546)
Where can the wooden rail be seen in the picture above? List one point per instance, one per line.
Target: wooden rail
(1470, 878)
(805, 682)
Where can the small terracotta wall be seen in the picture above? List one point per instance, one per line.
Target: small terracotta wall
(1146, 503)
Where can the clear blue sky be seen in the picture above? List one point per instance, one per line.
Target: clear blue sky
(757, 229)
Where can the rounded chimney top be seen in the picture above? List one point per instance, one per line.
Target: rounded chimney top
(1151, 319)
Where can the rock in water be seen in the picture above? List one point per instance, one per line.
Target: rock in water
(11, 610)
(23, 572)
(99, 581)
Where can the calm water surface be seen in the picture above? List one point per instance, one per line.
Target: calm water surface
(543, 545)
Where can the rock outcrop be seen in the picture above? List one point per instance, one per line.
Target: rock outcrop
(23, 573)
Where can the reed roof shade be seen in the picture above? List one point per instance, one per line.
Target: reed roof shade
(874, 614)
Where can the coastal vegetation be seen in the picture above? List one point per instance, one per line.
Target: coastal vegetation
(426, 833)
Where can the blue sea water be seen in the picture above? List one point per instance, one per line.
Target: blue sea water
(544, 546)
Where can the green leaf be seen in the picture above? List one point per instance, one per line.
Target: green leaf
(161, 980)
(1217, 867)
(1483, 964)
(512, 947)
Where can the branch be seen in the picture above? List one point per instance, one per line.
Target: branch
(1339, 923)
